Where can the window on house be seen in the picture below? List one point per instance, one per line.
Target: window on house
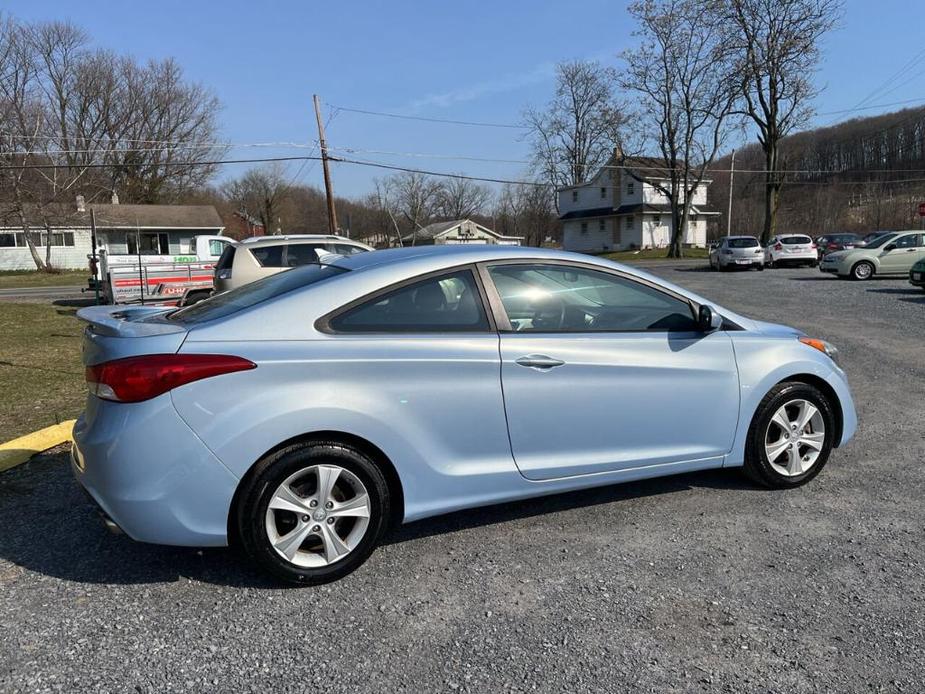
(657, 219)
(584, 227)
(629, 223)
(630, 187)
(574, 196)
(7, 240)
(147, 243)
(601, 225)
(603, 192)
(64, 238)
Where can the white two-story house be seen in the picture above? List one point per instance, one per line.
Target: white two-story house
(621, 207)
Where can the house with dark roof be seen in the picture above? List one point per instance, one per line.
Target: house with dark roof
(163, 230)
(458, 231)
(624, 207)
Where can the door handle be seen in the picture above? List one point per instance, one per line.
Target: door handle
(539, 361)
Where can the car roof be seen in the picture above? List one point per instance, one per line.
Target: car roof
(276, 238)
(460, 254)
(753, 238)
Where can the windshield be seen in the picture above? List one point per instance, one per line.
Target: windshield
(256, 292)
(742, 243)
(880, 241)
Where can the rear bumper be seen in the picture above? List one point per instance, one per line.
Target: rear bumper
(807, 257)
(150, 475)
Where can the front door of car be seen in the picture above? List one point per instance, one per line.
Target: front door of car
(603, 372)
(903, 254)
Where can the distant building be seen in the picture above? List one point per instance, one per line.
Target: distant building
(144, 229)
(456, 232)
(241, 225)
(621, 207)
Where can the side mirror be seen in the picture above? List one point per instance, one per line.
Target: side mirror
(889, 247)
(708, 320)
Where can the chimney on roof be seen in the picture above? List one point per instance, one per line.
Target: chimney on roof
(115, 198)
(81, 205)
(617, 154)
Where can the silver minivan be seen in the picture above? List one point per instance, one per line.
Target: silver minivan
(262, 256)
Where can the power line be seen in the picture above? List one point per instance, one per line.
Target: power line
(919, 99)
(480, 124)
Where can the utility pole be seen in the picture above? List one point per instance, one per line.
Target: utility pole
(732, 173)
(328, 189)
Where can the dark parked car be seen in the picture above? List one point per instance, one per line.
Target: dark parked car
(836, 242)
(872, 236)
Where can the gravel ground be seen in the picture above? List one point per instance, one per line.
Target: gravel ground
(693, 583)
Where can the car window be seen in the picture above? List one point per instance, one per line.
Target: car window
(908, 241)
(795, 240)
(445, 303)
(565, 298)
(741, 243)
(300, 254)
(880, 240)
(253, 293)
(344, 249)
(269, 256)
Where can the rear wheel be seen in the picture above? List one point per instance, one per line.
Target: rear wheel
(313, 512)
(862, 271)
(790, 437)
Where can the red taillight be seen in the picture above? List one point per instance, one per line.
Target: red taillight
(140, 378)
(833, 246)
(778, 247)
(813, 246)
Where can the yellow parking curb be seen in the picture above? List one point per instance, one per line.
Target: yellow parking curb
(18, 451)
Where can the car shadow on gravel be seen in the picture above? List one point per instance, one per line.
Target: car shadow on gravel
(566, 501)
(51, 528)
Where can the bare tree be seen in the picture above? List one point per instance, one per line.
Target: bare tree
(65, 110)
(576, 132)
(681, 70)
(460, 198)
(528, 211)
(260, 192)
(777, 47)
(416, 198)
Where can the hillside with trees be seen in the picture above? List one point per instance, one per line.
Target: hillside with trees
(861, 175)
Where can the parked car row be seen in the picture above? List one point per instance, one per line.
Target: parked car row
(882, 253)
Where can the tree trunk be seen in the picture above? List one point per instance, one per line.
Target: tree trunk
(771, 192)
(26, 229)
(48, 266)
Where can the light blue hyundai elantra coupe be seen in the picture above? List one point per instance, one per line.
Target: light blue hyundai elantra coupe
(302, 415)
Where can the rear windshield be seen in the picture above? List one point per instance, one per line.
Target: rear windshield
(742, 243)
(256, 292)
(794, 240)
(226, 259)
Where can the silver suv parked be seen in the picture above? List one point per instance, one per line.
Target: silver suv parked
(258, 257)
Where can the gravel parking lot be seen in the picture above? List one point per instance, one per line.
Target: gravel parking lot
(694, 583)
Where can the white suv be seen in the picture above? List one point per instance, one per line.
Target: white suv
(262, 256)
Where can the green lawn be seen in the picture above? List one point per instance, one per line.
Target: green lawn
(10, 279)
(654, 254)
(41, 376)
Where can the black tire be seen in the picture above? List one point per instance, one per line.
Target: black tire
(855, 275)
(757, 466)
(760, 267)
(270, 473)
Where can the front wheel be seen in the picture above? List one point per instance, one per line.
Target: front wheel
(862, 271)
(313, 512)
(790, 437)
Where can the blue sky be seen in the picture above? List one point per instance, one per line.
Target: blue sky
(480, 61)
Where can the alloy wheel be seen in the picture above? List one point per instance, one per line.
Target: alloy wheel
(318, 515)
(795, 437)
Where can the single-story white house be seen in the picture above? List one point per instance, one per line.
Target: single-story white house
(456, 232)
(120, 229)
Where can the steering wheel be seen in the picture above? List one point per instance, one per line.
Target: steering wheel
(548, 312)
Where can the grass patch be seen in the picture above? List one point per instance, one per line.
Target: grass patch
(14, 279)
(654, 254)
(41, 375)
